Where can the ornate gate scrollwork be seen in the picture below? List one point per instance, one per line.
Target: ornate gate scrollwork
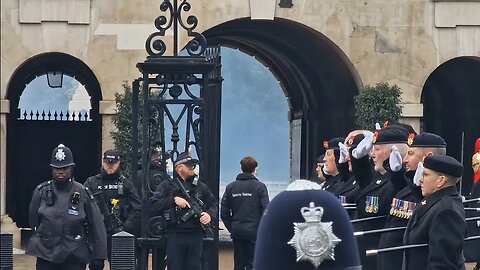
(179, 111)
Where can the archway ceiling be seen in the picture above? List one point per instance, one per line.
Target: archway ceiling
(307, 63)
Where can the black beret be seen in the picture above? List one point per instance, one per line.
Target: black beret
(333, 143)
(185, 158)
(353, 141)
(426, 139)
(302, 225)
(390, 134)
(407, 127)
(444, 164)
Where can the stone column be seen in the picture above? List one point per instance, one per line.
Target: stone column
(6, 222)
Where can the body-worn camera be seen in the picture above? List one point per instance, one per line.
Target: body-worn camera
(75, 198)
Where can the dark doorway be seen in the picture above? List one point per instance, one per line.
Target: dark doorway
(318, 80)
(451, 100)
(33, 134)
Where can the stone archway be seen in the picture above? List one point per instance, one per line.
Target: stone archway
(316, 76)
(29, 143)
(451, 100)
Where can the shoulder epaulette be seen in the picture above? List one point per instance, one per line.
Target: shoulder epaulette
(44, 184)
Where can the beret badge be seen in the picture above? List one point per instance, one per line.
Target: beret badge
(375, 136)
(350, 140)
(411, 136)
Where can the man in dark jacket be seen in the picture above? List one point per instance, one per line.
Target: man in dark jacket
(66, 220)
(116, 197)
(243, 203)
(438, 220)
(184, 230)
(331, 167)
(405, 201)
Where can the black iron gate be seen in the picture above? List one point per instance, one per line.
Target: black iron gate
(180, 111)
(34, 136)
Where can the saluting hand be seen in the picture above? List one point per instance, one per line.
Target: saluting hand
(205, 218)
(181, 202)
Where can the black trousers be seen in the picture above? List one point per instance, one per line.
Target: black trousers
(243, 251)
(46, 265)
(184, 251)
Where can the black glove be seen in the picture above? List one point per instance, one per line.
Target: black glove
(96, 264)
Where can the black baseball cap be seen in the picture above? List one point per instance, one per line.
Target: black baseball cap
(111, 156)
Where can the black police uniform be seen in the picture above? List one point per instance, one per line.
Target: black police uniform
(105, 188)
(301, 225)
(439, 221)
(69, 229)
(184, 239)
(242, 206)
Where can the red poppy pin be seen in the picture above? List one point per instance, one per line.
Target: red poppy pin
(411, 136)
(325, 144)
(375, 136)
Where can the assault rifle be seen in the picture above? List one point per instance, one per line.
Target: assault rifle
(113, 224)
(196, 208)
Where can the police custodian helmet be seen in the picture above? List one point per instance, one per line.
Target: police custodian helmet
(305, 228)
(61, 157)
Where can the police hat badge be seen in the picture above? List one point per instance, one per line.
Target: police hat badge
(304, 228)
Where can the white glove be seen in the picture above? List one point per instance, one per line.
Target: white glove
(377, 126)
(343, 153)
(395, 159)
(418, 174)
(365, 146)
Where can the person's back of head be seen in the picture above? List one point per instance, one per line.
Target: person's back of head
(248, 164)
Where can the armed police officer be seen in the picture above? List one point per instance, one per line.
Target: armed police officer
(116, 198)
(187, 206)
(67, 222)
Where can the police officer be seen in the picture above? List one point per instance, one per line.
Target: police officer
(184, 230)
(243, 204)
(438, 220)
(66, 220)
(156, 171)
(116, 198)
(305, 228)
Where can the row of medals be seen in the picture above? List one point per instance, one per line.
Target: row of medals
(371, 204)
(402, 209)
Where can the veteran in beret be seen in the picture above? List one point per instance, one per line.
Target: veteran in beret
(377, 191)
(331, 166)
(438, 220)
(405, 201)
(305, 228)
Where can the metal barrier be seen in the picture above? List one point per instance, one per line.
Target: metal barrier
(123, 251)
(6, 246)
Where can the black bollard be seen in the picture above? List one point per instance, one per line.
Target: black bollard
(6, 254)
(123, 251)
